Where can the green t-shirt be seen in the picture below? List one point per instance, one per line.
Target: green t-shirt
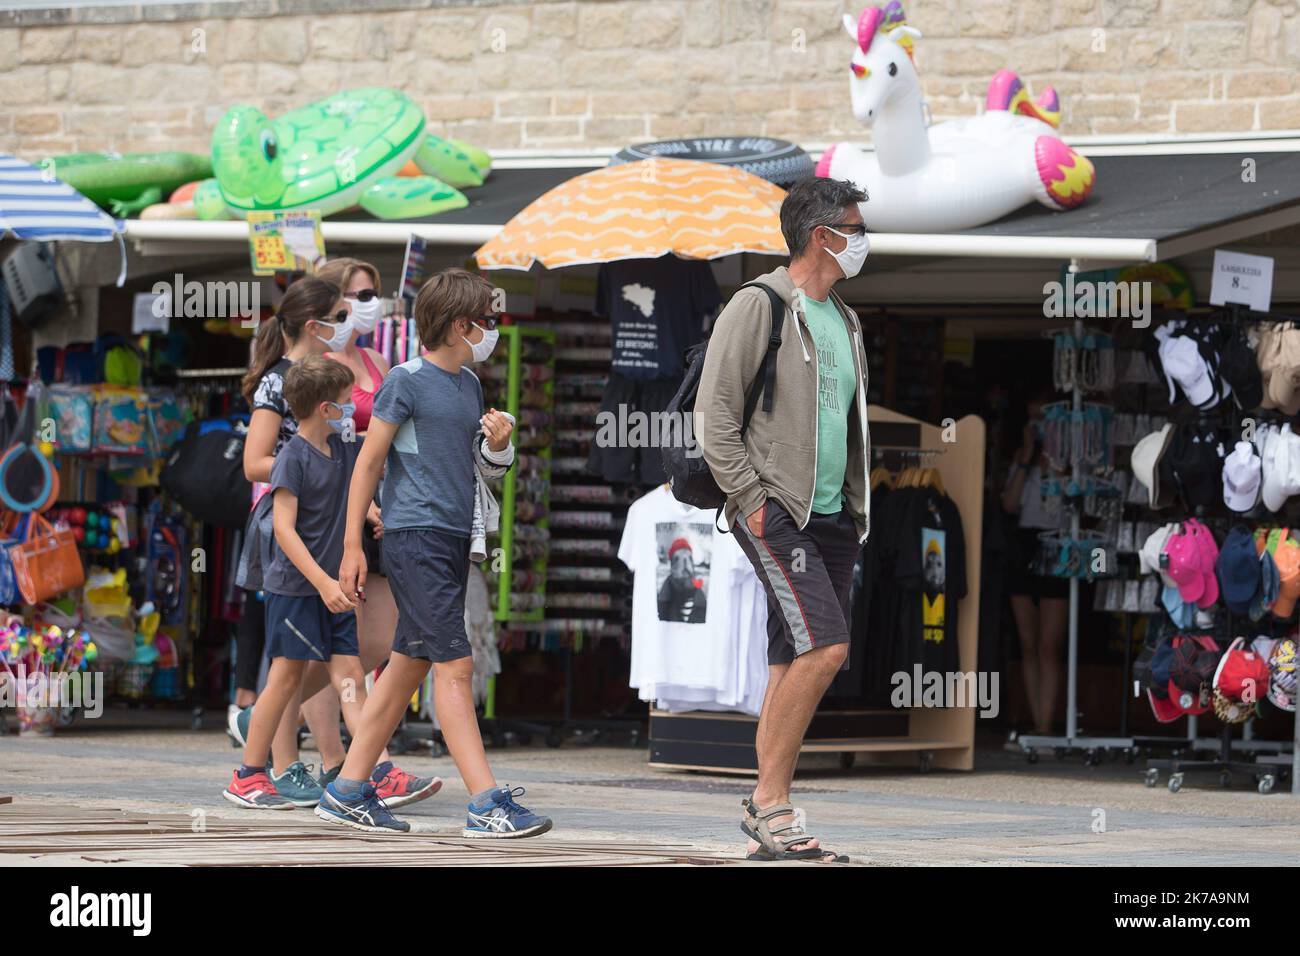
(836, 386)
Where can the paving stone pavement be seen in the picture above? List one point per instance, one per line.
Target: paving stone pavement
(1006, 813)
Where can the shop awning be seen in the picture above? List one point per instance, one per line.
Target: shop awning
(35, 205)
(1147, 205)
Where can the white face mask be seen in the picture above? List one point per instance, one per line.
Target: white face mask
(342, 332)
(853, 255)
(365, 315)
(481, 350)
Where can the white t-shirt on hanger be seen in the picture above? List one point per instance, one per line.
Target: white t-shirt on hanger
(682, 596)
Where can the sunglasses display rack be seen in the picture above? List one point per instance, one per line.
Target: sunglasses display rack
(520, 380)
(1078, 438)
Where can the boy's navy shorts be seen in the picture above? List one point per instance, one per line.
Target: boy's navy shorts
(428, 571)
(302, 628)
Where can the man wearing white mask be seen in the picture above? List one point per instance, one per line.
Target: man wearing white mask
(795, 478)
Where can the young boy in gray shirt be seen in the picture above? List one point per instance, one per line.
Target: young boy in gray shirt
(308, 617)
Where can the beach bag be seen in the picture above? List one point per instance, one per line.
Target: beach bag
(46, 563)
(689, 477)
(204, 473)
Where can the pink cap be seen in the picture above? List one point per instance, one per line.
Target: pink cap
(1208, 552)
(1185, 564)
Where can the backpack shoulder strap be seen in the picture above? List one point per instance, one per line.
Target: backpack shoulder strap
(765, 383)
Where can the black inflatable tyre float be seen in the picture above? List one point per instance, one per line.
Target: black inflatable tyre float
(775, 160)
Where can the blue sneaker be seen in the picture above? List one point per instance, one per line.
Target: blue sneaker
(502, 818)
(237, 719)
(298, 786)
(364, 812)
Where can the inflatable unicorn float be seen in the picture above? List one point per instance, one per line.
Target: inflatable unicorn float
(956, 174)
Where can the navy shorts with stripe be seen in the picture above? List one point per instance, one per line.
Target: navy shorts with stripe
(428, 572)
(302, 628)
(806, 573)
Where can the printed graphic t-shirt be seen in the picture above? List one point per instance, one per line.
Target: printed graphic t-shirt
(430, 478)
(931, 572)
(836, 387)
(682, 594)
(321, 487)
(657, 309)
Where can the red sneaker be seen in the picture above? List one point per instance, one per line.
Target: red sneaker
(255, 792)
(397, 787)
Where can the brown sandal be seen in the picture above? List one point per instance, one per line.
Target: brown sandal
(776, 843)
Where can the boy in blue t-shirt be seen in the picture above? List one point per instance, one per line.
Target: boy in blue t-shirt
(308, 616)
(430, 429)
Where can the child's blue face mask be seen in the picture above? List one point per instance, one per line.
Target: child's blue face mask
(340, 424)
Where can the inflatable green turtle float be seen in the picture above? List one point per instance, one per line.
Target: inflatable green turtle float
(125, 183)
(336, 153)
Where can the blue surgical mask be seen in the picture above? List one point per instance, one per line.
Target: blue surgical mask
(340, 424)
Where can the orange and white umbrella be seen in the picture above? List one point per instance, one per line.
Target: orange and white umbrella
(642, 210)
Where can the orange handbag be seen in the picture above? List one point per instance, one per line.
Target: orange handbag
(47, 563)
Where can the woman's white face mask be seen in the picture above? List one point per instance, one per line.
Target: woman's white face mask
(365, 314)
(340, 333)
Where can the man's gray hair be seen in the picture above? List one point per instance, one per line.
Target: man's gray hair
(815, 202)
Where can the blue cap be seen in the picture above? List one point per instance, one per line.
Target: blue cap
(1239, 572)
(1270, 583)
(1182, 612)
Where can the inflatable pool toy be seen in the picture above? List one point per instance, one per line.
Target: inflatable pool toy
(179, 205)
(124, 184)
(775, 160)
(343, 151)
(952, 175)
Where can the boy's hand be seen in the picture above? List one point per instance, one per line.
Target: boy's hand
(497, 427)
(332, 594)
(352, 574)
(375, 518)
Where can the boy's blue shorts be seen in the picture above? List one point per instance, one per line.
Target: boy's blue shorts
(428, 571)
(302, 628)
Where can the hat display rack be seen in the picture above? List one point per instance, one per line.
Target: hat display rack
(1225, 461)
(1202, 374)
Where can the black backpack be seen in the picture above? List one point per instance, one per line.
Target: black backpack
(204, 473)
(689, 477)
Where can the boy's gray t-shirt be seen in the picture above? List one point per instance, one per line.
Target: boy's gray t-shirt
(321, 486)
(430, 478)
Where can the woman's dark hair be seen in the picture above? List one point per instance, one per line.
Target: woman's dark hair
(308, 298)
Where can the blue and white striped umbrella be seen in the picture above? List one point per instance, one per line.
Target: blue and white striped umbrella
(34, 205)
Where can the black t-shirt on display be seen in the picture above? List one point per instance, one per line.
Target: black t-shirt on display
(657, 309)
(932, 568)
